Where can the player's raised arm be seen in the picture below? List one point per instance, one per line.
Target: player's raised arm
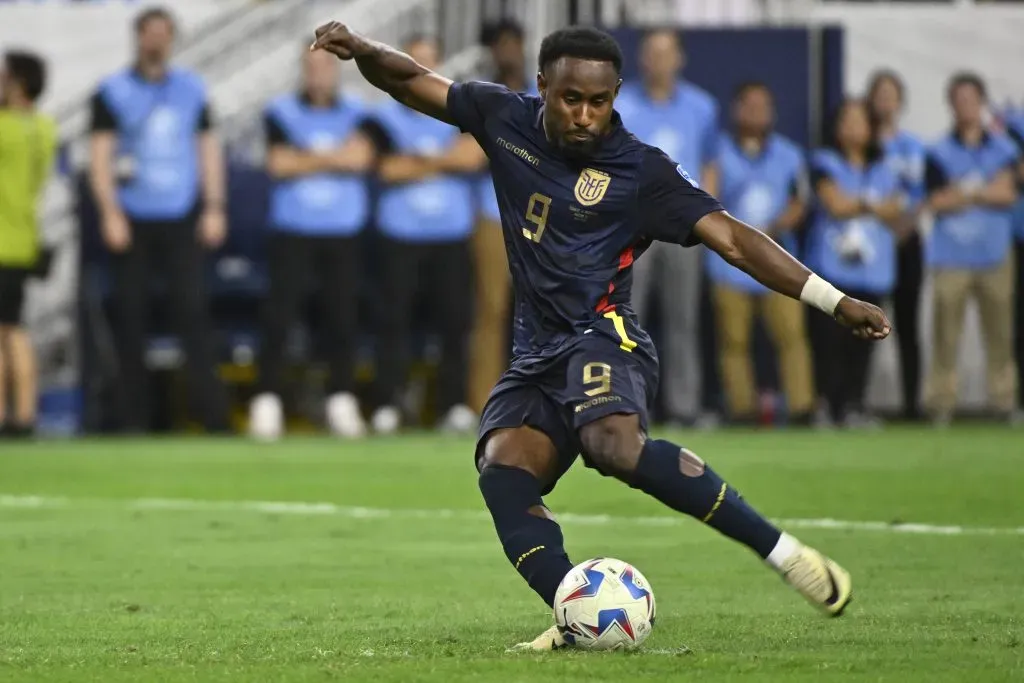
(678, 211)
(391, 70)
(758, 255)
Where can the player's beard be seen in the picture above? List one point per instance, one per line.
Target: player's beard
(580, 150)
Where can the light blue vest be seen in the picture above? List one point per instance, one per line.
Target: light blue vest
(976, 237)
(685, 127)
(905, 155)
(156, 128)
(486, 197)
(757, 191)
(326, 203)
(439, 209)
(875, 270)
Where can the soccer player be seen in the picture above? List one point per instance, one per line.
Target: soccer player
(580, 200)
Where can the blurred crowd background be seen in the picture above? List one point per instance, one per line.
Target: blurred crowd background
(205, 226)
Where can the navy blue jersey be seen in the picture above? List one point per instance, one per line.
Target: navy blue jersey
(573, 228)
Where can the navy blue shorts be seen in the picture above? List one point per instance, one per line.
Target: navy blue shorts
(592, 378)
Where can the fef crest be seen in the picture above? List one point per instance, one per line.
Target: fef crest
(591, 186)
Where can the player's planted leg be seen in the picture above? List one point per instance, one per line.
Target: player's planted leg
(513, 465)
(678, 478)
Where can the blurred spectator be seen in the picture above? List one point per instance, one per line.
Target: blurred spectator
(681, 120)
(970, 180)
(760, 177)
(425, 217)
(905, 155)
(152, 147)
(853, 246)
(489, 348)
(317, 156)
(28, 143)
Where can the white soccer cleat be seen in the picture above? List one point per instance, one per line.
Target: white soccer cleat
(266, 417)
(460, 419)
(823, 582)
(344, 418)
(386, 420)
(549, 640)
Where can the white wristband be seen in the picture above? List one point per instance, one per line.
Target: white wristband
(821, 294)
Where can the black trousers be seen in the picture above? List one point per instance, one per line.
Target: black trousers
(1019, 327)
(170, 247)
(845, 360)
(906, 304)
(440, 276)
(333, 264)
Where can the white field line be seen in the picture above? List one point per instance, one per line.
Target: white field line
(331, 509)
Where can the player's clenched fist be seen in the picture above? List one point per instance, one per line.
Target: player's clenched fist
(867, 321)
(335, 37)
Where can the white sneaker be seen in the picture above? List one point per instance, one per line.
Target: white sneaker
(266, 417)
(460, 420)
(344, 418)
(386, 420)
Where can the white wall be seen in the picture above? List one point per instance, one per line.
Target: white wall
(85, 41)
(926, 45)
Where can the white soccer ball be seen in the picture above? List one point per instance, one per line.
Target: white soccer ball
(604, 604)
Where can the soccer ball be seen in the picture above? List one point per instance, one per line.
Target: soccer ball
(604, 604)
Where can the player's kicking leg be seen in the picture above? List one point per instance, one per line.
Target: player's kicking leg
(515, 466)
(617, 446)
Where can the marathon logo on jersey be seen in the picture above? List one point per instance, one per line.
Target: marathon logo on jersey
(599, 401)
(686, 176)
(591, 186)
(519, 152)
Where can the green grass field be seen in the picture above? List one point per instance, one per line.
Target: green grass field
(157, 561)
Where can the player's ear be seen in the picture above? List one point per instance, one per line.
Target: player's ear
(542, 83)
(617, 86)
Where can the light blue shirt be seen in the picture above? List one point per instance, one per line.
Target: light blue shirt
(905, 155)
(438, 209)
(685, 126)
(832, 239)
(756, 190)
(977, 237)
(157, 124)
(323, 203)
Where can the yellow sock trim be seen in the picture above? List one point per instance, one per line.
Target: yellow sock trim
(718, 503)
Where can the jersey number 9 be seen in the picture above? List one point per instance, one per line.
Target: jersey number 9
(540, 219)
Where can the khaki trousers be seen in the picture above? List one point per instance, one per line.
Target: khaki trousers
(784, 318)
(488, 354)
(993, 290)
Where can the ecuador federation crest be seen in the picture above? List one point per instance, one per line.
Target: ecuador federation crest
(591, 186)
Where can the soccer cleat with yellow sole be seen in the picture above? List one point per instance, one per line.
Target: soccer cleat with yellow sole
(823, 582)
(545, 642)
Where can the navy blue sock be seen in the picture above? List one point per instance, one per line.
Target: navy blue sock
(532, 544)
(693, 488)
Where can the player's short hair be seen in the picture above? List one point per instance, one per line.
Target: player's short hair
(874, 151)
(496, 30)
(143, 18)
(967, 78)
(882, 76)
(29, 70)
(580, 42)
(746, 86)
